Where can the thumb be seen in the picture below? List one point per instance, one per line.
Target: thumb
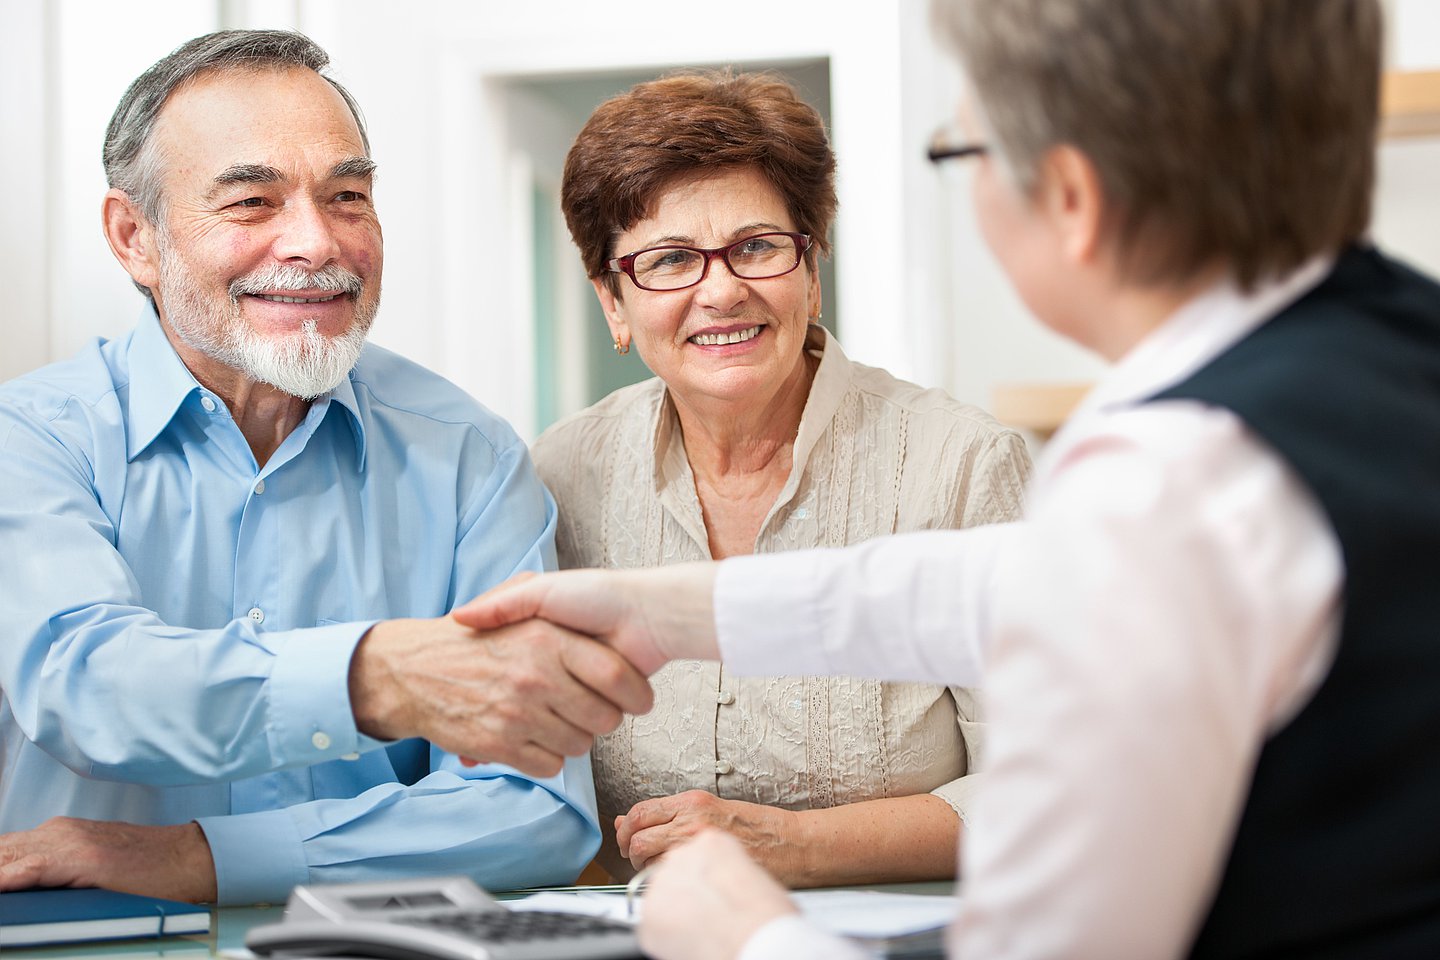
(508, 603)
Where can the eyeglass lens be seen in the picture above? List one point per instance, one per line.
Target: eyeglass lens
(754, 258)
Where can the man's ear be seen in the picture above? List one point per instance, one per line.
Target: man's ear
(1072, 197)
(131, 237)
(614, 312)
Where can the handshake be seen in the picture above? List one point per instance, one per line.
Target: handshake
(532, 671)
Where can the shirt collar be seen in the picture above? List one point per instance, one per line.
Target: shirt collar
(827, 390)
(1199, 331)
(160, 383)
(344, 395)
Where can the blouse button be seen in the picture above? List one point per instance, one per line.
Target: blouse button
(725, 698)
(723, 767)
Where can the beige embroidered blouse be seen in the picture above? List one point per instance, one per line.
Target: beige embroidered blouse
(874, 455)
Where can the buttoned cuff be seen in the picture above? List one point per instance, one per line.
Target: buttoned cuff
(310, 719)
(259, 857)
(791, 937)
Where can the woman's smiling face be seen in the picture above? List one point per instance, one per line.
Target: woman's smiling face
(684, 336)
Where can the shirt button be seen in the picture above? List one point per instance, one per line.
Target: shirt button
(256, 614)
(349, 756)
(259, 487)
(208, 404)
(725, 698)
(321, 739)
(723, 767)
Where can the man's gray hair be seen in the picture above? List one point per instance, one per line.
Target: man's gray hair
(1238, 131)
(131, 163)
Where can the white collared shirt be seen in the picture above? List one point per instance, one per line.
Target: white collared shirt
(1170, 600)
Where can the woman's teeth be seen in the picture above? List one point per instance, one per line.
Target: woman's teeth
(716, 339)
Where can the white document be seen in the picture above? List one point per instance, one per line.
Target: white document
(866, 914)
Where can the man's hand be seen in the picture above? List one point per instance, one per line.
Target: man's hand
(706, 900)
(526, 695)
(647, 616)
(768, 834)
(170, 862)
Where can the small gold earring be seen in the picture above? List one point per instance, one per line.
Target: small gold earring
(621, 348)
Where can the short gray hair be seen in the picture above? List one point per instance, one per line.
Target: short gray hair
(132, 165)
(1233, 130)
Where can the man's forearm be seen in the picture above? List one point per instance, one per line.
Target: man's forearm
(501, 829)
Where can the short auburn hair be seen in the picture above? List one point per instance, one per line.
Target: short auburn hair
(1240, 131)
(689, 125)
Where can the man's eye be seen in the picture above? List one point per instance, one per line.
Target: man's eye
(251, 202)
(349, 196)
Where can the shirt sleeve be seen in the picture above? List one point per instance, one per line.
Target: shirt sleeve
(501, 828)
(993, 491)
(1176, 603)
(792, 937)
(961, 792)
(808, 612)
(493, 824)
(995, 483)
(84, 663)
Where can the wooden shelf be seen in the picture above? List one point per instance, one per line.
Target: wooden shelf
(1410, 104)
(1037, 407)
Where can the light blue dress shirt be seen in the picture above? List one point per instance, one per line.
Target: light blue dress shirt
(177, 623)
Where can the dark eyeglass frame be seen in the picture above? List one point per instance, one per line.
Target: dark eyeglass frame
(941, 151)
(626, 264)
(938, 151)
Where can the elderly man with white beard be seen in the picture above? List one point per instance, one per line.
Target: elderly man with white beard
(232, 539)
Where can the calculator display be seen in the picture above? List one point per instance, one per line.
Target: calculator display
(401, 901)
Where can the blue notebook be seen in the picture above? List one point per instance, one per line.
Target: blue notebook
(31, 917)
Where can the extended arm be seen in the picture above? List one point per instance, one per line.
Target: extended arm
(503, 829)
(94, 687)
(889, 840)
(84, 654)
(493, 824)
(85, 661)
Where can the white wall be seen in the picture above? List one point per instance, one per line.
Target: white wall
(436, 81)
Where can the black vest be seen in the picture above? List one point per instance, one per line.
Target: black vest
(1337, 854)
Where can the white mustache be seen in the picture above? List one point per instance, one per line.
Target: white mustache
(279, 277)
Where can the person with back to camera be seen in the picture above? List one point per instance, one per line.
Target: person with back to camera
(700, 203)
(1209, 651)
